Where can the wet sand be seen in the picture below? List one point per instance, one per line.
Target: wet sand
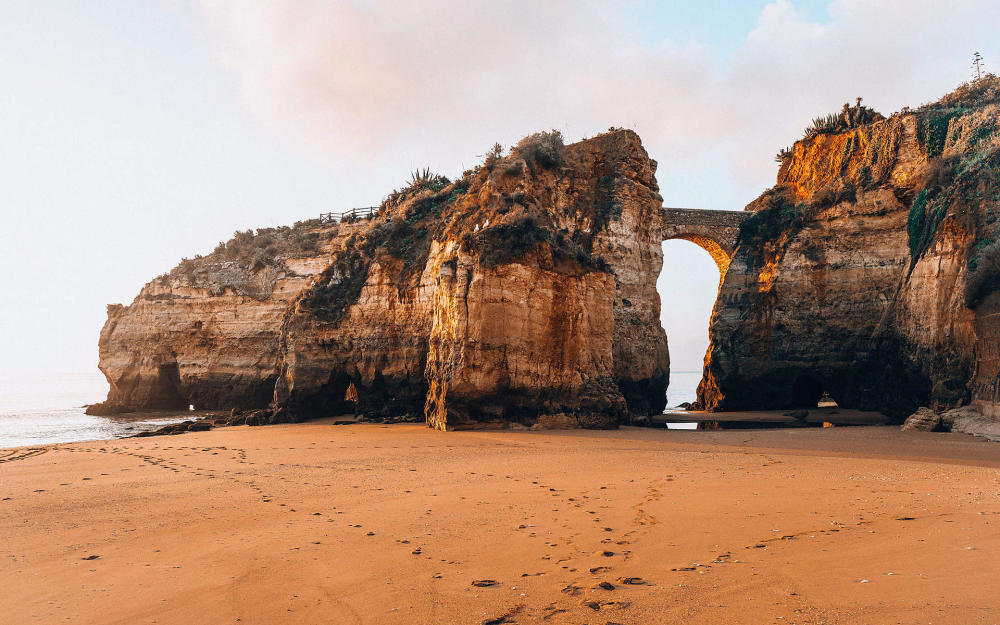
(315, 523)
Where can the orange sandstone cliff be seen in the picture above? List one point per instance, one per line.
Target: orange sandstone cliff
(866, 272)
(523, 292)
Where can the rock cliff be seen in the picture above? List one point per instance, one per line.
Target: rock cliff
(522, 292)
(866, 271)
(207, 333)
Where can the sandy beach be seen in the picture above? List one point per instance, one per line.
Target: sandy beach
(316, 523)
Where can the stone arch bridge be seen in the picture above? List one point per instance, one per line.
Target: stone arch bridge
(715, 231)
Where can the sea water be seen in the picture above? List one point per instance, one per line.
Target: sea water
(39, 409)
(683, 389)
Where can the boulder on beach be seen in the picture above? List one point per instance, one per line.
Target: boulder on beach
(924, 419)
(968, 420)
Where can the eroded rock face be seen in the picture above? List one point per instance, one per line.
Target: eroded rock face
(851, 277)
(524, 292)
(507, 343)
(208, 332)
(526, 288)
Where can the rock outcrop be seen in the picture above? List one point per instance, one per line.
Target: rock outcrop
(856, 274)
(523, 292)
(207, 333)
(923, 420)
(968, 420)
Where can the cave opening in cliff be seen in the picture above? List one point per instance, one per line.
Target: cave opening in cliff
(338, 396)
(688, 286)
(165, 392)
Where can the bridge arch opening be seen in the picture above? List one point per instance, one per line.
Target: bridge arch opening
(688, 286)
(719, 254)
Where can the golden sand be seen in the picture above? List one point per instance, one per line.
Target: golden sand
(315, 523)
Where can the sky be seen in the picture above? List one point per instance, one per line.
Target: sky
(133, 134)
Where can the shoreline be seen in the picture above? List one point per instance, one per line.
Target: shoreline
(368, 523)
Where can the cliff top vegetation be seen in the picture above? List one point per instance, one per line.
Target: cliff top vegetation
(250, 262)
(498, 211)
(848, 118)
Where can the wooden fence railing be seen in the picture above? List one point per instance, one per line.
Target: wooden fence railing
(365, 211)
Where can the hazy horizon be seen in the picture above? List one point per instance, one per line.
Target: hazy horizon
(138, 134)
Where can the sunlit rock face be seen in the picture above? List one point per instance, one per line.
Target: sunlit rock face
(852, 276)
(207, 333)
(523, 292)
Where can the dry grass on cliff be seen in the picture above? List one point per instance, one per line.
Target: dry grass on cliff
(249, 263)
(972, 94)
(265, 246)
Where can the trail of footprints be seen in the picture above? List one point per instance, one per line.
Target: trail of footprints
(596, 585)
(593, 587)
(10, 455)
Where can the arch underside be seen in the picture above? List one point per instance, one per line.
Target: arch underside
(719, 254)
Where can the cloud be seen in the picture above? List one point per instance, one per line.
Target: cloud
(392, 81)
(356, 79)
(893, 53)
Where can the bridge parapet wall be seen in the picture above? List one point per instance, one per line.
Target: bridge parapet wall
(716, 231)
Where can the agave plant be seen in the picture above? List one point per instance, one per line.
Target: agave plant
(425, 179)
(421, 177)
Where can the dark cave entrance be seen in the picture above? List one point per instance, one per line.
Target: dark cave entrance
(338, 396)
(807, 391)
(166, 393)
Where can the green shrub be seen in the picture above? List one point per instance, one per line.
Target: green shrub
(915, 221)
(492, 157)
(763, 230)
(830, 195)
(542, 148)
(823, 125)
(941, 171)
(340, 284)
(424, 179)
(768, 222)
(933, 131)
(420, 180)
(985, 276)
(514, 169)
(922, 221)
(504, 243)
